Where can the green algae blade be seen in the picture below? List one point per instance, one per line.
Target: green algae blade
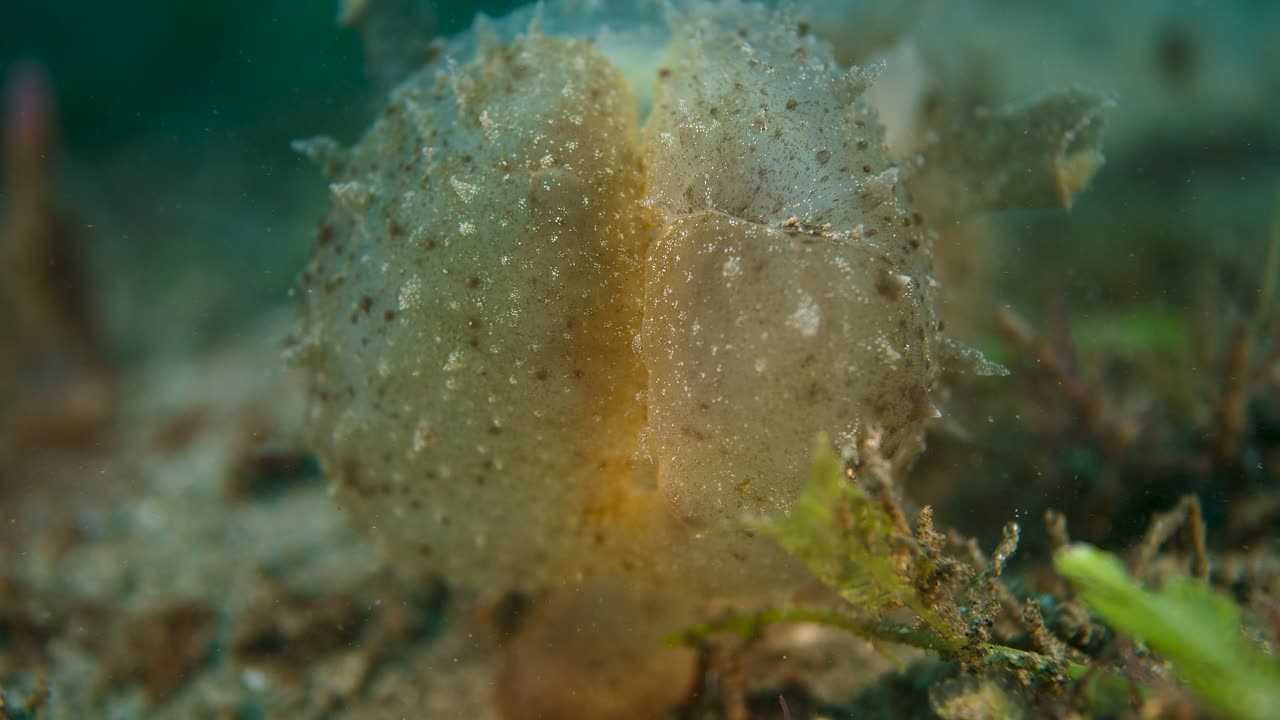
(1196, 628)
(843, 537)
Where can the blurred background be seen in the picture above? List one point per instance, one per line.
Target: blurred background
(176, 118)
(189, 214)
(153, 219)
(173, 158)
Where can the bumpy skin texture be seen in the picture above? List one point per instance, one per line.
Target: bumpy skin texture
(545, 348)
(469, 318)
(551, 354)
(788, 292)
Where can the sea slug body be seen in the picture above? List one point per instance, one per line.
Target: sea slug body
(516, 237)
(776, 163)
(586, 294)
(557, 350)
(501, 432)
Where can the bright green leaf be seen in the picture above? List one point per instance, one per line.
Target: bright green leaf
(1197, 629)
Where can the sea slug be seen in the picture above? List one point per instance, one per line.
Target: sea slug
(557, 348)
(533, 328)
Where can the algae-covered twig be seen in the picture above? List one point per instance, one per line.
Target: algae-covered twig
(1057, 364)
(860, 546)
(1056, 526)
(1044, 641)
(1163, 526)
(28, 706)
(1248, 365)
(990, 655)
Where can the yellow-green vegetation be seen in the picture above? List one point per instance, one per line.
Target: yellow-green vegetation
(901, 586)
(1197, 629)
(852, 535)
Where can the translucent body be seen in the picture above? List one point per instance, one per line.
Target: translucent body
(553, 354)
(470, 312)
(787, 293)
(547, 347)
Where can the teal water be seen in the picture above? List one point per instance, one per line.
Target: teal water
(156, 223)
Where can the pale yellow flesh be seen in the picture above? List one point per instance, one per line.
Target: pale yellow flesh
(551, 353)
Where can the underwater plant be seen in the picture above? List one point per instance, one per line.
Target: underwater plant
(850, 531)
(1195, 627)
(916, 587)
